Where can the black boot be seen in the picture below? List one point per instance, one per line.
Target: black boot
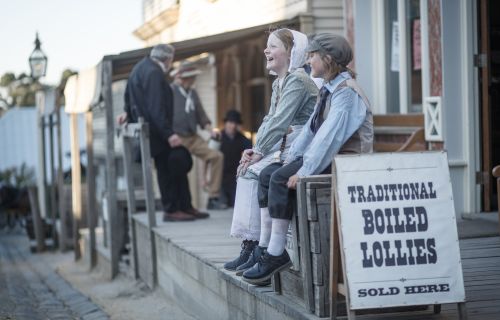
(247, 247)
(266, 267)
(257, 252)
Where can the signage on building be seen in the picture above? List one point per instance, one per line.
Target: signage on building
(395, 47)
(398, 229)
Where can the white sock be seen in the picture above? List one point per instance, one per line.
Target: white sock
(278, 236)
(265, 227)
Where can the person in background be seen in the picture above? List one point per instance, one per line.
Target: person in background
(149, 95)
(342, 123)
(188, 115)
(232, 145)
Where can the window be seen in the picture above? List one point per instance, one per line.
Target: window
(403, 56)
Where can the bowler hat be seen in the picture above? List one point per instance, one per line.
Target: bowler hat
(233, 116)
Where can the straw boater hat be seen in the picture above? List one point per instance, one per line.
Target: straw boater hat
(186, 70)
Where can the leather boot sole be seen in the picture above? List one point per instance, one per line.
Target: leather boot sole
(267, 279)
(239, 273)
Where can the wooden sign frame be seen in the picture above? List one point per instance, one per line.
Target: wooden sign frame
(338, 277)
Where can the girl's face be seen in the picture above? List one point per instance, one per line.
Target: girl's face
(318, 67)
(277, 56)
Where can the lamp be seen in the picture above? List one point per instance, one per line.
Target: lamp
(38, 61)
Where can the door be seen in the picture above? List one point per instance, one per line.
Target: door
(488, 60)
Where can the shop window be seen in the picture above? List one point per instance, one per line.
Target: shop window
(403, 57)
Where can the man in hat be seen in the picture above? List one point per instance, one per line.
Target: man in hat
(148, 95)
(233, 143)
(188, 114)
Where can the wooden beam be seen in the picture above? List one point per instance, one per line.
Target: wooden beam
(63, 236)
(148, 188)
(115, 220)
(76, 184)
(131, 204)
(91, 199)
(305, 261)
(37, 221)
(53, 182)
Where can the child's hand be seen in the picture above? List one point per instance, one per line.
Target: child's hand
(292, 182)
(246, 156)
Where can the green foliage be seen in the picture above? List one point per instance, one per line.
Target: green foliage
(22, 76)
(23, 88)
(24, 92)
(18, 177)
(7, 79)
(62, 84)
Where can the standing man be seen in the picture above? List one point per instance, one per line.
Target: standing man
(233, 143)
(188, 114)
(149, 95)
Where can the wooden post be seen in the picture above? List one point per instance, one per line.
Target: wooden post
(41, 183)
(114, 216)
(76, 185)
(60, 185)
(52, 189)
(131, 205)
(37, 221)
(91, 201)
(462, 311)
(305, 259)
(148, 188)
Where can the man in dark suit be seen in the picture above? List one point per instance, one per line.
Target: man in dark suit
(149, 95)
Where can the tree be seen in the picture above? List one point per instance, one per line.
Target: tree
(7, 79)
(22, 89)
(62, 84)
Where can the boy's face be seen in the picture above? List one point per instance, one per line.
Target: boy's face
(318, 67)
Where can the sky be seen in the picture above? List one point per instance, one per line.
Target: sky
(75, 34)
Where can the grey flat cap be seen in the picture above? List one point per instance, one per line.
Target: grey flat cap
(162, 52)
(334, 45)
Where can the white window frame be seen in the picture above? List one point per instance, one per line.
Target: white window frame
(379, 54)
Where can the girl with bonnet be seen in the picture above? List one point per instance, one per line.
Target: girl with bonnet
(341, 123)
(292, 101)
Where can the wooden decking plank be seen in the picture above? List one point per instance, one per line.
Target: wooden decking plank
(209, 241)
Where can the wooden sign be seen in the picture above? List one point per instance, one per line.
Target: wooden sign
(398, 233)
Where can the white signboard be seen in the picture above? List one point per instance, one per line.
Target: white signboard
(398, 228)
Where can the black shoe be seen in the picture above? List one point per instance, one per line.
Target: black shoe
(257, 252)
(196, 213)
(177, 216)
(246, 248)
(216, 204)
(266, 267)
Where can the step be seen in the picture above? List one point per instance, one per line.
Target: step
(190, 257)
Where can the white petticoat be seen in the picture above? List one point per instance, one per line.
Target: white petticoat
(246, 215)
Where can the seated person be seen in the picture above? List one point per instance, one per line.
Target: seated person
(342, 122)
(188, 115)
(292, 102)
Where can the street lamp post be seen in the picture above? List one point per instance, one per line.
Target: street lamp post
(45, 100)
(38, 60)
